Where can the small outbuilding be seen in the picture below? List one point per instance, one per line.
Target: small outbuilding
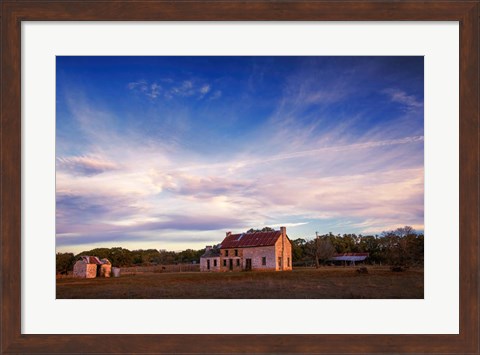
(350, 258)
(91, 266)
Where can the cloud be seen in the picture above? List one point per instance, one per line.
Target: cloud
(171, 89)
(409, 101)
(171, 224)
(216, 95)
(200, 222)
(184, 89)
(169, 240)
(142, 86)
(202, 187)
(332, 149)
(278, 225)
(86, 165)
(324, 96)
(205, 89)
(69, 239)
(363, 181)
(154, 90)
(256, 161)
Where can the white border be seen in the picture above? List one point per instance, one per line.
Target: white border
(437, 313)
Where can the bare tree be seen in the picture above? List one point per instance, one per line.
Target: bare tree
(321, 248)
(405, 231)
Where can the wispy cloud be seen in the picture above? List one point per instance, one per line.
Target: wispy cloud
(216, 95)
(238, 164)
(205, 89)
(170, 89)
(151, 90)
(245, 190)
(87, 165)
(409, 101)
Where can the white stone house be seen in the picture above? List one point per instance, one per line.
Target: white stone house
(91, 266)
(256, 251)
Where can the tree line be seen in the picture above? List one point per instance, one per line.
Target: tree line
(403, 246)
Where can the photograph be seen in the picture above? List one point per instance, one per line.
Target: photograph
(239, 177)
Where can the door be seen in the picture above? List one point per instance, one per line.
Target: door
(208, 264)
(230, 264)
(248, 264)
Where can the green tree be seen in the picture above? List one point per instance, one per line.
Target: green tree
(264, 229)
(167, 257)
(402, 246)
(370, 244)
(64, 262)
(118, 256)
(190, 256)
(298, 249)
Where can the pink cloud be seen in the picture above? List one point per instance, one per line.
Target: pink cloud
(87, 165)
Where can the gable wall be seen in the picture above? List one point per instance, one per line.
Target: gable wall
(83, 270)
(283, 249)
(256, 255)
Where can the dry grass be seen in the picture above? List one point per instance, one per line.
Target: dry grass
(325, 283)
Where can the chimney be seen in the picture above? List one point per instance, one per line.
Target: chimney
(283, 230)
(208, 247)
(229, 234)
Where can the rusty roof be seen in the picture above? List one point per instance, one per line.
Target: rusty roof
(247, 240)
(92, 260)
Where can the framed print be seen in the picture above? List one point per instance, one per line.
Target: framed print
(129, 127)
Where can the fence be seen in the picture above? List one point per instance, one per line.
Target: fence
(148, 269)
(160, 269)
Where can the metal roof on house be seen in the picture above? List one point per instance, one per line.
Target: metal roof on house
(94, 260)
(350, 257)
(211, 253)
(247, 240)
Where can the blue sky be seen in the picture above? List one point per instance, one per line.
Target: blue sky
(171, 152)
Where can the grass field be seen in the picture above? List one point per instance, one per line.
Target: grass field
(327, 282)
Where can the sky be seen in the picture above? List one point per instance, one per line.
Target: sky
(172, 152)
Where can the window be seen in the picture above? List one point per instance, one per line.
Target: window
(288, 262)
(224, 262)
(264, 260)
(236, 252)
(215, 262)
(226, 252)
(279, 261)
(238, 262)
